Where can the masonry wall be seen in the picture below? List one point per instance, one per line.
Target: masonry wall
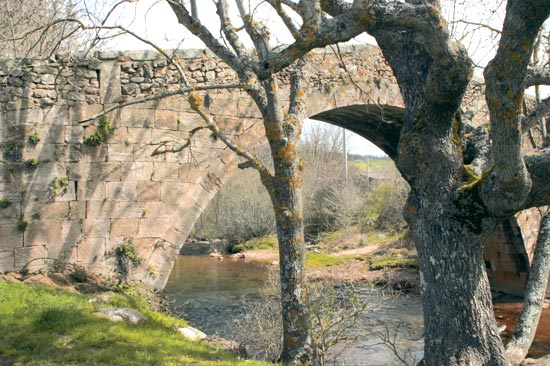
(63, 200)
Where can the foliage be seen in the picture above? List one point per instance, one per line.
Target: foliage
(32, 163)
(126, 257)
(264, 242)
(5, 203)
(384, 207)
(43, 326)
(34, 138)
(22, 224)
(105, 130)
(59, 186)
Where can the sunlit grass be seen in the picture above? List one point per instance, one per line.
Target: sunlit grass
(314, 260)
(384, 262)
(262, 243)
(42, 326)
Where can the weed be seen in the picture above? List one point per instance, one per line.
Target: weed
(12, 167)
(22, 224)
(104, 130)
(34, 138)
(59, 186)
(31, 163)
(5, 203)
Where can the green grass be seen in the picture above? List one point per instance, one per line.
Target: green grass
(374, 164)
(325, 260)
(42, 326)
(381, 262)
(262, 243)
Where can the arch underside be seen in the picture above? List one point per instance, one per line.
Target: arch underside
(380, 124)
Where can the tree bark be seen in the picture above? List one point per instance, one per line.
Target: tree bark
(459, 323)
(285, 189)
(518, 347)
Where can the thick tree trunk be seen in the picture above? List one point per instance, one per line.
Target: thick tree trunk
(523, 336)
(458, 313)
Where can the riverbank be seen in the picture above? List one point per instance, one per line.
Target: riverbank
(386, 260)
(58, 320)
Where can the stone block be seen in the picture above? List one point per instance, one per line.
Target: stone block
(153, 228)
(91, 250)
(189, 173)
(137, 117)
(167, 120)
(144, 153)
(148, 191)
(94, 154)
(136, 171)
(44, 232)
(165, 172)
(139, 135)
(32, 258)
(161, 210)
(121, 191)
(108, 172)
(48, 211)
(7, 260)
(21, 116)
(60, 251)
(91, 190)
(42, 152)
(56, 115)
(46, 172)
(124, 228)
(10, 215)
(36, 193)
(77, 210)
(175, 192)
(95, 228)
(175, 137)
(109, 209)
(79, 171)
(55, 134)
(72, 231)
(74, 134)
(121, 152)
(11, 236)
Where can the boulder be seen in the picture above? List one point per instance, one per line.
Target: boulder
(191, 333)
(121, 314)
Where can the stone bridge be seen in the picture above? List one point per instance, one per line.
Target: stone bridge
(64, 198)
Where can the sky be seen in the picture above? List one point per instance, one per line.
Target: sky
(154, 20)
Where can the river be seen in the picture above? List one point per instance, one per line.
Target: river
(210, 293)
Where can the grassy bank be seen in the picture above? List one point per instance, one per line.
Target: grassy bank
(46, 327)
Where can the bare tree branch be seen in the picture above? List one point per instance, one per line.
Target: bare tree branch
(159, 96)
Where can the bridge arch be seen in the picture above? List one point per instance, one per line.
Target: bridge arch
(66, 199)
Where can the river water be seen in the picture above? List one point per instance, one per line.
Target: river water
(209, 293)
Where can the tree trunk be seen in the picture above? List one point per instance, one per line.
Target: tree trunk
(285, 189)
(535, 291)
(458, 312)
(287, 202)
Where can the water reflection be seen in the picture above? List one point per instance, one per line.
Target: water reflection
(209, 292)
